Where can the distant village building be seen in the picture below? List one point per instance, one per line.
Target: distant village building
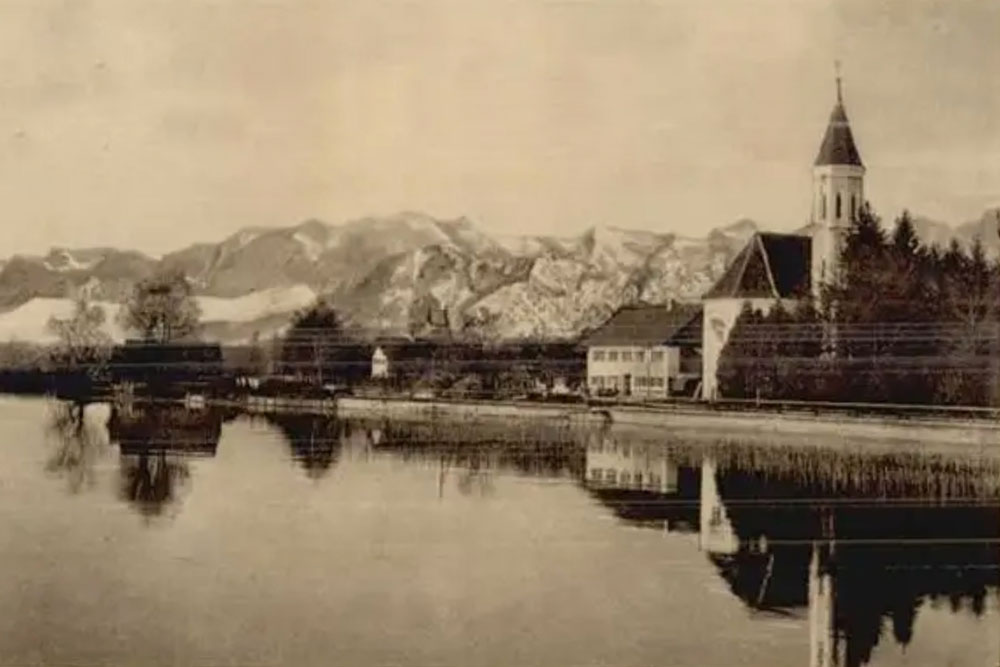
(380, 364)
(400, 358)
(785, 268)
(646, 351)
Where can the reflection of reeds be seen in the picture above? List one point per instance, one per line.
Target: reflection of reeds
(832, 472)
(535, 449)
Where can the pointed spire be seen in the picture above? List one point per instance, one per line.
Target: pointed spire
(838, 143)
(840, 95)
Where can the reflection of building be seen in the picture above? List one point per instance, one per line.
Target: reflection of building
(174, 429)
(647, 351)
(155, 442)
(611, 464)
(822, 637)
(861, 570)
(716, 535)
(641, 484)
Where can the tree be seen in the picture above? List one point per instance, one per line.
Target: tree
(162, 309)
(83, 345)
(315, 343)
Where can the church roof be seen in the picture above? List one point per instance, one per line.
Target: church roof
(838, 145)
(650, 325)
(770, 266)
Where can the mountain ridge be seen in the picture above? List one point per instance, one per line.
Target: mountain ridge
(409, 271)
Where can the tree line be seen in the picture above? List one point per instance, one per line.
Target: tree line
(906, 323)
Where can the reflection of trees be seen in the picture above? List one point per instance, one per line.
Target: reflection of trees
(896, 531)
(155, 442)
(884, 556)
(314, 440)
(150, 480)
(79, 443)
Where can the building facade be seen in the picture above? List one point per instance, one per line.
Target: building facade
(646, 352)
(787, 268)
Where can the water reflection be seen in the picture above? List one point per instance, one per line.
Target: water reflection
(155, 443)
(315, 441)
(857, 543)
(79, 442)
(860, 543)
(854, 548)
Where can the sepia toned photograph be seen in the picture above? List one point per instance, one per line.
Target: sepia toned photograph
(488, 333)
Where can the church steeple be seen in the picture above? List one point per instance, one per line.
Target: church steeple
(838, 192)
(838, 145)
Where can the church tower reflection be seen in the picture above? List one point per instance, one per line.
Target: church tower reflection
(716, 534)
(822, 633)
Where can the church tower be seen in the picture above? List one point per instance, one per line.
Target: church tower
(838, 193)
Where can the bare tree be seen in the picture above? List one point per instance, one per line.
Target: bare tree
(162, 309)
(83, 345)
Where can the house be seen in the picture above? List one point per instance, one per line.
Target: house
(400, 358)
(646, 351)
(174, 368)
(787, 268)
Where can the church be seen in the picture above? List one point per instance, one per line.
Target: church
(786, 268)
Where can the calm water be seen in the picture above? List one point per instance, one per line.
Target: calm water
(198, 538)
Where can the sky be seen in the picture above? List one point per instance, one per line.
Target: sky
(156, 124)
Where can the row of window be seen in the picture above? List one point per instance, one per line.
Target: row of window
(837, 205)
(626, 355)
(615, 381)
(624, 478)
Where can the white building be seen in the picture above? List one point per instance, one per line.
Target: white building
(380, 363)
(646, 351)
(786, 268)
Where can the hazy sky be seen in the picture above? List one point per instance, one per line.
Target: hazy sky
(153, 124)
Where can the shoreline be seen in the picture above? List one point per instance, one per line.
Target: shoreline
(982, 432)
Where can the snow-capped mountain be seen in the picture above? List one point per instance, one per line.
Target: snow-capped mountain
(402, 273)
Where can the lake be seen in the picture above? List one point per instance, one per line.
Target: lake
(168, 537)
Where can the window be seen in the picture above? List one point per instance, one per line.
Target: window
(595, 473)
(838, 206)
(626, 477)
(854, 207)
(613, 355)
(610, 476)
(638, 479)
(640, 381)
(640, 356)
(597, 355)
(657, 355)
(626, 355)
(822, 205)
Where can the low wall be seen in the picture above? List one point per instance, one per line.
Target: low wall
(410, 408)
(968, 432)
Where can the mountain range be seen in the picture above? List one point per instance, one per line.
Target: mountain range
(405, 273)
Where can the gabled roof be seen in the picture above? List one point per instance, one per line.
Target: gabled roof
(770, 266)
(838, 145)
(650, 325)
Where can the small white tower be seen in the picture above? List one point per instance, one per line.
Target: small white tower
(838, 194)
